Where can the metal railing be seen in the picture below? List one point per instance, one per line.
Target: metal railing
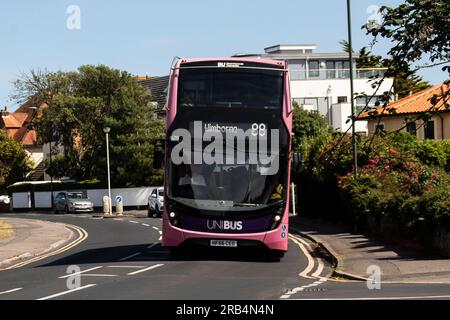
(321, 74)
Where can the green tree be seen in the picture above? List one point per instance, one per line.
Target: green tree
(80, 105)
(418, 29)
(406, 79)
(306, 124)
(15, 163)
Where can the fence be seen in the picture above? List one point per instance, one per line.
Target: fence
(132, 197)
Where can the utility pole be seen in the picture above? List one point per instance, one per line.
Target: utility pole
(352, 101)
(106, 130)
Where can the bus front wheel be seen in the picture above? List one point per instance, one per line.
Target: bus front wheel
(176, 252)
(277, 254)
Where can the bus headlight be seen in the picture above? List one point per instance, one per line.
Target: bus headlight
(172, 215)
(277, 218)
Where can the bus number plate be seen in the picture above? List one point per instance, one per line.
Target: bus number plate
(223, 243)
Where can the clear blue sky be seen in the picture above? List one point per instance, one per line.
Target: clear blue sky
(143, 36)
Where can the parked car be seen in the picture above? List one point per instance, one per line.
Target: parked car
(156, 202)
(72, 201)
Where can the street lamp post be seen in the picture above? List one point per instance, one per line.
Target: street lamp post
(106, 130)
(350, 57)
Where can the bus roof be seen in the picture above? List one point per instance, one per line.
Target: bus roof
(277, 63)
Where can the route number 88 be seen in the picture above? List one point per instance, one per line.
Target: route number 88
(258, 129)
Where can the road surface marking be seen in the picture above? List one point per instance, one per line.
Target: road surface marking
(301, 243)
(132, 221)
(10, 291)
(66, 292)
(147, 225)
(310, 265)
(98, 275)
(319, 269)
(160, 232)
(76, 273)
(130, 256)
(155, 228)
(152, 245)
(146, 269)
(82, 235)
(131, 267)
(160, 238)
(384, 298)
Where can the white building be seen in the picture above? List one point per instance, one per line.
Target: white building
(321, 82)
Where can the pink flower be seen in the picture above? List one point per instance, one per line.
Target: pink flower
(373, 162)
(433, 176)
(393, 151)
(386, 168)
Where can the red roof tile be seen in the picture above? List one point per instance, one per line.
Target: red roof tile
(413, 104)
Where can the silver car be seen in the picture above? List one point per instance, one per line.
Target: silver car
(72, 201)
(156, 203)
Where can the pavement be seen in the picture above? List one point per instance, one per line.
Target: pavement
(32, 239)
(354, 253)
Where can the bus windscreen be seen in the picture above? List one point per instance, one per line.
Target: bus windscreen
(230, 88)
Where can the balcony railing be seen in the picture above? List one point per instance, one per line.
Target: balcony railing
(321, 74)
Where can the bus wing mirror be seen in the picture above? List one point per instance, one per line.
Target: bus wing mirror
(157, 160)
(158, 154)
(296, 161)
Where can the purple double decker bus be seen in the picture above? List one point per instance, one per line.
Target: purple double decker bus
(228, 154)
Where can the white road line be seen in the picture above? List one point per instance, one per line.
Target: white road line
(84, 271)
(98, 275)
(10, 291)
(160, 238)
(132, 221)
(155, 228)
(384, 298)
(130, 256)
(160, 232)
(146, 269)
(66, 292)
(131, 267)
(147, 225)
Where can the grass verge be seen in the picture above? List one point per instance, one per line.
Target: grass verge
(6, 230)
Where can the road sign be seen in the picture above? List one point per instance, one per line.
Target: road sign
(119, 199)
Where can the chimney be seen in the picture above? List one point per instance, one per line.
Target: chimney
(5, 112)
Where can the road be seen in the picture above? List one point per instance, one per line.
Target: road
(123, 259)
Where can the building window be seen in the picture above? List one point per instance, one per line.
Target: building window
(411, 128)
(429, 130)
(313, 69)
(331, 70)
(318, 104)
(362, 101)
(343, 69)
(342, 99)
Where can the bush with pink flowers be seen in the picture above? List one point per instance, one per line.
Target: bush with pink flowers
(397, 178)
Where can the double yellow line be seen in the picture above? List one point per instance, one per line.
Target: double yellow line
(302, 245)
(82, 235)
